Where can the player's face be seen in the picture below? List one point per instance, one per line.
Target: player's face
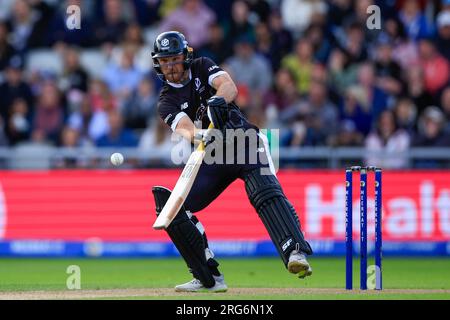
(172, 68)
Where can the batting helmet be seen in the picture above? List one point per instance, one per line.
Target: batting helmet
(171, 43)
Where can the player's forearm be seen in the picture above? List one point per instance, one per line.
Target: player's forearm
(186, 128)
(227, 90)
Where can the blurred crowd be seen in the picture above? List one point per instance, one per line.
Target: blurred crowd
(314, 69)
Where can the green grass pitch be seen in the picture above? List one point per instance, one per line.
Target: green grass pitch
(259, 278)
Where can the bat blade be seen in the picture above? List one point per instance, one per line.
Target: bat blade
(181, 190)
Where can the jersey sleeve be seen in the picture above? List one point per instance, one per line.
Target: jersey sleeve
(169, 111)
(211, 70)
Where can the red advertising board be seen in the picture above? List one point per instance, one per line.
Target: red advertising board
(117, 205)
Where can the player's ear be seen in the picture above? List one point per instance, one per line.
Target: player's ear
(189, 56)
(190, 53)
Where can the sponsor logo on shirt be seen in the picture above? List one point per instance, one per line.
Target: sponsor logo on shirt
(200, 112)
(166, 120)
(184, 105)
(212, 68)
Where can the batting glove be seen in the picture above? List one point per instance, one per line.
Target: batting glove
(207, 136)
(218, 112)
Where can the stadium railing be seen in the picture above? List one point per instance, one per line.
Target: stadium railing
(48, 157)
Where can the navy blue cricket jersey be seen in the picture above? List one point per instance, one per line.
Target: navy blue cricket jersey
(178, 100)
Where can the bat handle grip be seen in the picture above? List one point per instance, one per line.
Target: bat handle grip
(201, 146)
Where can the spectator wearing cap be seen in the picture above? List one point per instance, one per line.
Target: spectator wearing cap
(192, 18)
(414, 21)
(443, 33)
(436, 68)
(431, 129)
(386, 145)
(14, 87)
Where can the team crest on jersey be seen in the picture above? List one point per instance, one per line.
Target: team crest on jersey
(197, 84)
(184, 106)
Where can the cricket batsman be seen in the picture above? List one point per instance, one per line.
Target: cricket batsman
(197, 93)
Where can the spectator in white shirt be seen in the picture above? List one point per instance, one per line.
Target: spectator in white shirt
(386, 146)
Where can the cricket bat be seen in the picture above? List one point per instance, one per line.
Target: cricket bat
(182, 188)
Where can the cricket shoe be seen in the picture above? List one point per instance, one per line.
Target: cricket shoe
(196, 286)
(298, 264)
